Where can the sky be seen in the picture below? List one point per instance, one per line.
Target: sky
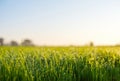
(61, 22)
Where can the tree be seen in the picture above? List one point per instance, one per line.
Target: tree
(91, 44)
(13, 43)
(27, 42)
(1, 41)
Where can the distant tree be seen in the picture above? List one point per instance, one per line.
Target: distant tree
(91, 44)
(27, 42)
(13, 43)
(1, 41)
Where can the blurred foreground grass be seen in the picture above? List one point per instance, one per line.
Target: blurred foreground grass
(59, 63)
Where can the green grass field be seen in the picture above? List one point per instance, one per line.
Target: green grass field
(59, 63)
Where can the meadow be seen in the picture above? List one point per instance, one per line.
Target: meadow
(59, 63)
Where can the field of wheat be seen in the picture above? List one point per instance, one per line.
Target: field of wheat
(59, 63)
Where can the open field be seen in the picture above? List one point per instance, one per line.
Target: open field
(59, 63)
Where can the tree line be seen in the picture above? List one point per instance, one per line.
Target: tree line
(25, 42)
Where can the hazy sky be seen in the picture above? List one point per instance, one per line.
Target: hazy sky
(61, 22)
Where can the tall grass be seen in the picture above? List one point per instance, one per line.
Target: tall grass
(59, 64)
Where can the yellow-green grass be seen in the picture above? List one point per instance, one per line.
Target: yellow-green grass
(59, 63)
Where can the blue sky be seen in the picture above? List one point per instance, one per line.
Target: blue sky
(61, 22)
